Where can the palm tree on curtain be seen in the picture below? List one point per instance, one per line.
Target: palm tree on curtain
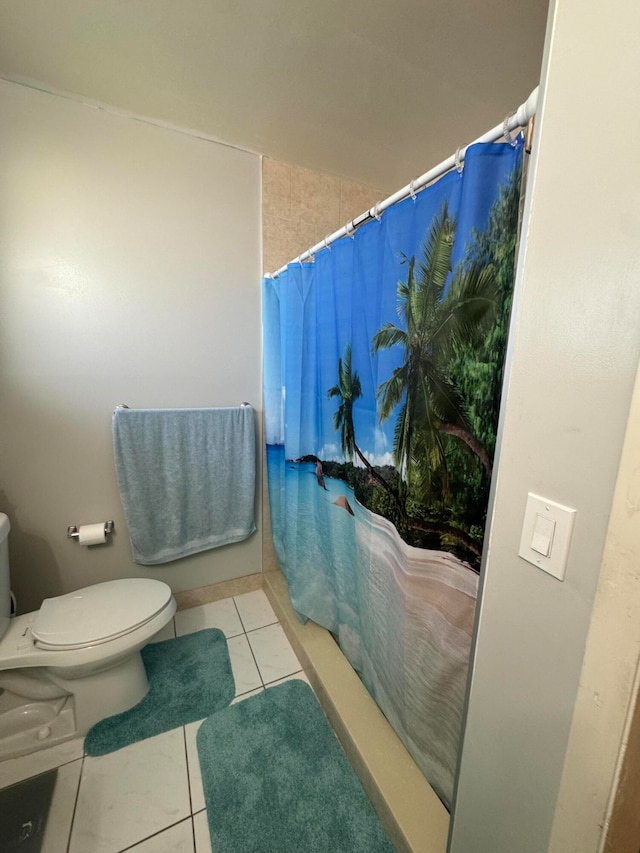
(435, 324)
(348, 390)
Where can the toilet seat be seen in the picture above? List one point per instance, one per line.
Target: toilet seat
(98, 614)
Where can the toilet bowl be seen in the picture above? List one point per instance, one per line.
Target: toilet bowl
(76, 660)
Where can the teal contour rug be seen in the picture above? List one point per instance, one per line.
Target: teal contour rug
(189, 678)
(277, 781)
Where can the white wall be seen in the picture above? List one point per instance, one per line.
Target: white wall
(129, 273)
(610, 678)
(572, 362)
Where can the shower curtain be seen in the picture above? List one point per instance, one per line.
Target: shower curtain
(383, 368)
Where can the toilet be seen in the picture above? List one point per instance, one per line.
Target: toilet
(76, 660)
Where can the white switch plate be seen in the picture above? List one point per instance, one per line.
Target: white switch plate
(563, 517)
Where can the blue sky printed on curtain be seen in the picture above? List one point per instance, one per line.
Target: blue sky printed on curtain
(383, 368)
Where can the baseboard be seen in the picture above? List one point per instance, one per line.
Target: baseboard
(216, 591)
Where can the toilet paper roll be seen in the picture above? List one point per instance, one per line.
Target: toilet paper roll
(92, 534)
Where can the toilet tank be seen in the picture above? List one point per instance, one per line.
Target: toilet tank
(5, 583)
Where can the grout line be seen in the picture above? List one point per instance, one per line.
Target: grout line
(291, 674)
(240, 695)
(260, 627)
(186, 758)
(154, 834)
(233, 636)
(233, 598)
(255, 661)
(75, 805)
(193, 833)
(39, 772)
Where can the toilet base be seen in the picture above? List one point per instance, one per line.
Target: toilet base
(28, 725)
(105, 693)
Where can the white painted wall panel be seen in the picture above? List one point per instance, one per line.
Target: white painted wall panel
(130, 273)
(571, 367)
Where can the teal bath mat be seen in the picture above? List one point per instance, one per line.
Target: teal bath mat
(189, 678)
(277, 781)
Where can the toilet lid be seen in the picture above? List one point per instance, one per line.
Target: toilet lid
(98, 613)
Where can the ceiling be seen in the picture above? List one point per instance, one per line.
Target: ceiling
(375, 90)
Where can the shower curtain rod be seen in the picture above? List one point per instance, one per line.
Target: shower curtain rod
(520, 118)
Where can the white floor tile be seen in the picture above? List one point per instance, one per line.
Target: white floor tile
(273, 653)
(247, 695)
(245, 671)
(140, 798)
(176, 839)
(201, 831)
(215, 614)
(56, 834)
(195, 777)
(300, 675)
(255, 610)
(167, 633)
(16, 769)
(130, 794)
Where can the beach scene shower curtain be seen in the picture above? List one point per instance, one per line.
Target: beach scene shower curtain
(383, 364)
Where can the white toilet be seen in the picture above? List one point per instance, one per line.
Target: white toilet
(76, 660)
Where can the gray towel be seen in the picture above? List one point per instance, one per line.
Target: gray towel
(186, 479)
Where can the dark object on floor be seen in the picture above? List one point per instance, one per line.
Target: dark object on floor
(24, 809)
(277, 781)
(189, 678)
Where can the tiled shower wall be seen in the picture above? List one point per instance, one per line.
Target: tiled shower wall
(299, 208)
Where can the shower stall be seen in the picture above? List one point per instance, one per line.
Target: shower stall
(383, 359)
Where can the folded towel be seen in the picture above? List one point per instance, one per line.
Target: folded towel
(186, 478)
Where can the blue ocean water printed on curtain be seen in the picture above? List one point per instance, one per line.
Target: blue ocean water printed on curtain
(383, 370)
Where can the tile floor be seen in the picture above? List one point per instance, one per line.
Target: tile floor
(148, 798)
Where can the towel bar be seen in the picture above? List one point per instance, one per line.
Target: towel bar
(124, 406)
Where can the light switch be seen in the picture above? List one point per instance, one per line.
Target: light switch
(542, 538)
(546, 534)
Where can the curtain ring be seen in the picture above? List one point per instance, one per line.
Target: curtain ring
(458, 160)
(412, 191)
(512, 140)
(376, 211)
(350, 229)
(325, 244)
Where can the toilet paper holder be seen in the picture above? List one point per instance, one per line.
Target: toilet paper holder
(72, 530)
